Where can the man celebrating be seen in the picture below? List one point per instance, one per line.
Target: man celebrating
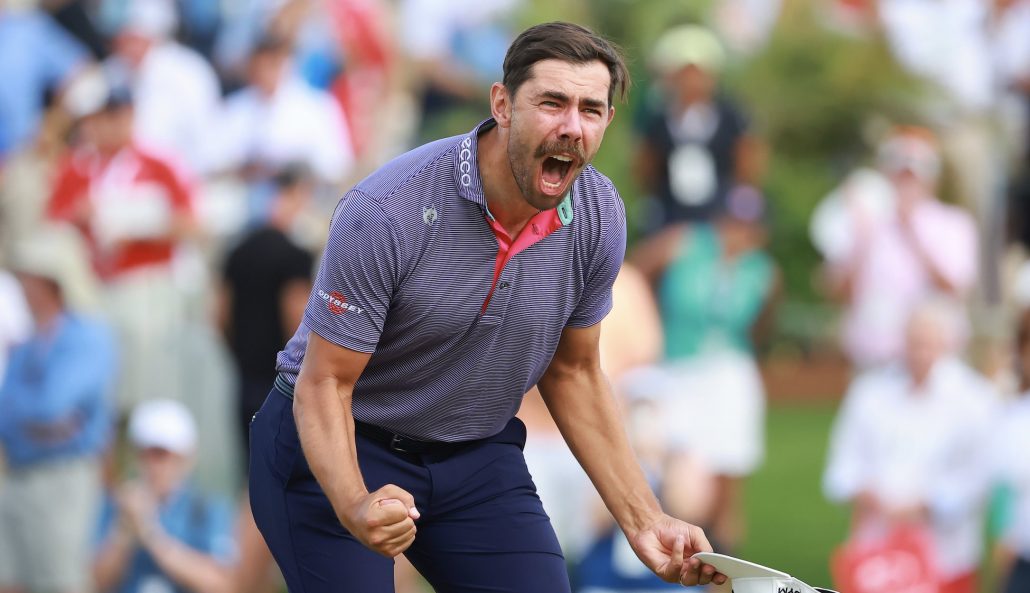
(455, 278)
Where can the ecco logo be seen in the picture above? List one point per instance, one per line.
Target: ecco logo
(465, 163)
(337, 303)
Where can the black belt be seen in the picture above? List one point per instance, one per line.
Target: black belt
(514, 433)
(403, 444)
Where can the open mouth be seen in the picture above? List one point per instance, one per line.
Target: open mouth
(555, 171)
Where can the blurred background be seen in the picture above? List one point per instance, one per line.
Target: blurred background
(819, 339)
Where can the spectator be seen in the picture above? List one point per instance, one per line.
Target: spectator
(134, 209)
(160, 533)
(55, 424)
(266, 284)
(895, 247)
(279, 120)
(908, 447)
(344, 47)
(35, 54)
(1014, 468)
(716, 287)
(694, 143)
(176, 91)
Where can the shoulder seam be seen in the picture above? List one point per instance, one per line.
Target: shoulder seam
(396, 187)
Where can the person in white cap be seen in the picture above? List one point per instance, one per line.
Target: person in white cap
(897, 247)
(160, 534)
(55, 422)
(694, 141)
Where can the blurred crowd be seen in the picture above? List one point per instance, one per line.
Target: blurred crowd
(167, 170)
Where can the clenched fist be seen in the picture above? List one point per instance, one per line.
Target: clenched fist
(384, 520)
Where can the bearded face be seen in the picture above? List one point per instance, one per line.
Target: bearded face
(558, 119)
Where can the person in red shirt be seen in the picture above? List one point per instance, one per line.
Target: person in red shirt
(134, 208)
(132, 205)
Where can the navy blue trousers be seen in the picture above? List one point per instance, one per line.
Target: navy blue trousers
(482, 526)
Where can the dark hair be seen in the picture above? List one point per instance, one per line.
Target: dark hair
(292, 175)
(271, 44)
(567, 42)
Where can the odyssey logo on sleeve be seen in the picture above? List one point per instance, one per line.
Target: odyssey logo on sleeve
(337, 303)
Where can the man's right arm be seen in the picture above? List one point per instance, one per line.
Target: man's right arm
(382, 520)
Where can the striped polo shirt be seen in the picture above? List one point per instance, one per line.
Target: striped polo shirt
(460, 319)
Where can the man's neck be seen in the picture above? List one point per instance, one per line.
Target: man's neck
(503, 196)
(921, 379)
(281, 218)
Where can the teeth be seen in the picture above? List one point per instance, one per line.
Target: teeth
(562, 158)
(551, 185)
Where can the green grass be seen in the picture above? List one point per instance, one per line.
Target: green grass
(791, 526)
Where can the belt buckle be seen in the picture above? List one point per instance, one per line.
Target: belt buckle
(396, 444)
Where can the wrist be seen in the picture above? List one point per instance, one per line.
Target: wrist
(349, 505)
(639, 518)
(150, 534)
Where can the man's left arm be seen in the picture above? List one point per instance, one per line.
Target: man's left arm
(583, 406)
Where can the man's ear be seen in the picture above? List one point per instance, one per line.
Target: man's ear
(611, 114)
(500, 104)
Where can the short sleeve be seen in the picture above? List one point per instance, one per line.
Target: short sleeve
(357, 276)
(596, 301)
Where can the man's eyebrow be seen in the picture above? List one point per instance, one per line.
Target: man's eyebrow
(563, 98)
(556, 95)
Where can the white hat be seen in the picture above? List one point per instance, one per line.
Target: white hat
(164, 424)
(57, 252)
(155, 19)
(748, 577)
(687, 45)
(910, 150)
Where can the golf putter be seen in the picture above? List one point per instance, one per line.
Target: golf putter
(748, 577)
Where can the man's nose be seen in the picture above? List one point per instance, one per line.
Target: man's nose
(570, 128)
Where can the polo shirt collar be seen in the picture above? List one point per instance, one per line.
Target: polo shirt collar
(470, 183)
